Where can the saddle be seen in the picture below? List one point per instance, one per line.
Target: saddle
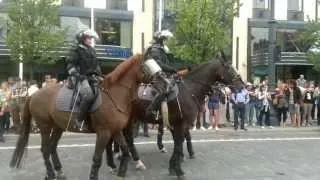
(66, 97)
(148, 92)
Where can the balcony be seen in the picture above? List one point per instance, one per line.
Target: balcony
(295, 15)
(260, 13)
(282, 59)
(104, 52)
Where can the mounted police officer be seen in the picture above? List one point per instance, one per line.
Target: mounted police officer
(157, 65)
(84, 67)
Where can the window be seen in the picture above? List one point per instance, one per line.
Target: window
(117, 4)
(261, 4)
(259, 40)
(295, 5)
(237, 53)
(142, 42)
(73, 3)
(108, 31)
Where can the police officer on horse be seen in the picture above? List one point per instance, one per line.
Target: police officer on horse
(84, 70)
(157, 65)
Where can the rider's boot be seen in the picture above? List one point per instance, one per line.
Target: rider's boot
(82, 116)
(151, 110)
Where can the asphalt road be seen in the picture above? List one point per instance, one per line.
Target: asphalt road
(224, 155)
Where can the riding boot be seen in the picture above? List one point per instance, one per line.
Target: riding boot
(151, 111)
(83, 116)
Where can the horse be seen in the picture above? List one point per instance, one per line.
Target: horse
(184, 109)
(118, 89)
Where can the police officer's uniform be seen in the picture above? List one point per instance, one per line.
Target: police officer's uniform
(83, 66)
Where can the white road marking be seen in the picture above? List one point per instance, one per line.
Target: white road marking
(171, 142)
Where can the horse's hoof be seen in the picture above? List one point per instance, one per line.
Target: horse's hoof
(120, 178)
(140, 165)
(61, 175)
(163, 150)
(113, 170)
(192, 157)
(172, 172)
(179, 173)
(50, 178)
(183, 177)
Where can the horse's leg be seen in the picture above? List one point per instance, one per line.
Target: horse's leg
(54, 139)
(175, 161)
(109, 155)
(189, 144)
(128, 134)
(125, 155)
(101, 142)
(159, 137)
(46, 151)
(116, 150)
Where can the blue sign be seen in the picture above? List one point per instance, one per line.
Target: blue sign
(118, 52)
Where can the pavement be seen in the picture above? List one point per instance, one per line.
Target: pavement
(258, 154)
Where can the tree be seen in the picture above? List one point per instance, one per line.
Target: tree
(202, 28)
(34, 33)
(309, 41)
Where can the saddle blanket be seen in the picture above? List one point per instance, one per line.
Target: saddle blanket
(64, 98)
(148, 93)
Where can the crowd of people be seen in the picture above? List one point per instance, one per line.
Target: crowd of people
(13, 93)
(298, 100)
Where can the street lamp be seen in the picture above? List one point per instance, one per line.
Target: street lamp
(160, 15)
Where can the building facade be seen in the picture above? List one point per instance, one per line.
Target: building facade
(125, 27)
(264, 38)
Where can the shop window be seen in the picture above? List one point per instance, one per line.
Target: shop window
(117, 4)
(108, 31)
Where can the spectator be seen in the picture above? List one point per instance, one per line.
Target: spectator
(264, 97)
(307, 104)
(301, 82)
(2, 120)
(47, 80)
(251, 105)
(316, 96)
(213, 106)
(282, 105)
(239, 99)
(33, 87)
(5, 96)
(294, 95)
(200, 115)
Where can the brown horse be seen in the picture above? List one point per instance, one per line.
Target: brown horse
(185, 108)
(118, 90)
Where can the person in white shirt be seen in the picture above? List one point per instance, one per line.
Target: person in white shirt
(32, 89)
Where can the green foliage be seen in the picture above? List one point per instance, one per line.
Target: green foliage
(309, 40)
(202, 29)
(34, 31)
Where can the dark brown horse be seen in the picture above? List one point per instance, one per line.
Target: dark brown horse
(183, 111)
(118, 90)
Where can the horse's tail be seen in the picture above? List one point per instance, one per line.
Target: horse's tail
(23, 137)
(165, 114)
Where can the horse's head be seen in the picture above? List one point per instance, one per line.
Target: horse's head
(227, 73)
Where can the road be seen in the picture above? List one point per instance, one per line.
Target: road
(290, 154)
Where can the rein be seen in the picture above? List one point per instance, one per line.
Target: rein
(105, 90)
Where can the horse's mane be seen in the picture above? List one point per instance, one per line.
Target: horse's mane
(123, 67)
(199, 67)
